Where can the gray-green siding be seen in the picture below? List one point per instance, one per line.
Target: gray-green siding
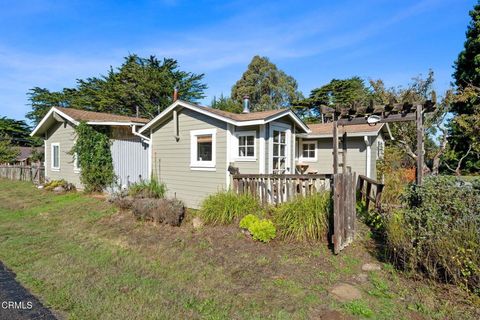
(171, 158)
(356, 155)
(64, 134)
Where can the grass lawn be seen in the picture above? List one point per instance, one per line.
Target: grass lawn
(85, 260)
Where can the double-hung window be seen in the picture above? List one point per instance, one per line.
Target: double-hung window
(308, 151)
(245, 150)
(55, 161)
(203, 149)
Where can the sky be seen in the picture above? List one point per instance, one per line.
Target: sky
(50, 43)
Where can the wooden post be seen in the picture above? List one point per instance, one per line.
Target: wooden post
(419, 116)
(344, 151)
(335, 147)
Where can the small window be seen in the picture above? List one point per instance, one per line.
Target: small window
(55, 156)
(204, 147)
(246, 145)
(202, 153)
(309, 151)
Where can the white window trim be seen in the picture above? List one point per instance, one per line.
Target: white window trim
(52, 154)
(76, 167)
(239, 134)
(287, 128)
(202, 165)
(308, 159)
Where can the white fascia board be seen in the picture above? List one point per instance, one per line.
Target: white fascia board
(114, 123)
(188, 106)
(292, 114)
(193, 107)
(319, 136)
(49, 113)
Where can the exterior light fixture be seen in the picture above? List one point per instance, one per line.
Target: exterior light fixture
(373, 120)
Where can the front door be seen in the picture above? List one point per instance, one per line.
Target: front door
(280, 150)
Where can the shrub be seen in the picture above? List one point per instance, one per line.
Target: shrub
(439, 231)
(94, 157)
(148, 189)
(167, 211)
(248, 221)
(224, 207)
(49, 186)
(261, 230)
(305, 218)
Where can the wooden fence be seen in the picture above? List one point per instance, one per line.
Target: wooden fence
(279, 188)
(371, 191)
(344, 210)
(35, 174)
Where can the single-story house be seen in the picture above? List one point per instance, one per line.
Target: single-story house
(193, 147)
(190, 148)
(130, 154)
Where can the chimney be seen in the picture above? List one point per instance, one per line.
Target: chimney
(246, 104)
(175, 93)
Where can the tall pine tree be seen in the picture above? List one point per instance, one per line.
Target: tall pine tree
(465, 126)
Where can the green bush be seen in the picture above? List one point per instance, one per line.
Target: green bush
(148, 189)
(49, 186)
(305, 218)
(261, 230)
(248, 221)
(224, 207)
(438, 231)
(94, 156)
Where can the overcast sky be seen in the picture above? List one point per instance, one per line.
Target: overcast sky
(51, 43)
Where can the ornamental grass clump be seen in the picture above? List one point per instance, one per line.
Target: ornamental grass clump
(225, 206)
(148, 189)
(305, 218)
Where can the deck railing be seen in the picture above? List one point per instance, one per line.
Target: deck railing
(35, 174)
(279, 188)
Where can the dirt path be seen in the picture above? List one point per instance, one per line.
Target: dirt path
(16, 302)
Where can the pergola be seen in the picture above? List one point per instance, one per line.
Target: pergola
(373, 114)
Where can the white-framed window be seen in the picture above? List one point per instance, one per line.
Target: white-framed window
(308, 150)
(245, 149)
(76, 165)
(55, 156)
(203, 149)
(380, 149)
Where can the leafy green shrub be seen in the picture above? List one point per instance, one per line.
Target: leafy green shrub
(148, 189)
(261, 230)
(305, 218)
(92, 148)
(49, 186)
(226, 206)
(248, 221)
(439, 231)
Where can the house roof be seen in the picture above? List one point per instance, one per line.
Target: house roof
(325, 130)
(244, 119)
(75, 116)
(245, 116)
(26, 152)
(83, 115)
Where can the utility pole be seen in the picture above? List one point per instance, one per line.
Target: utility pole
(420, 143)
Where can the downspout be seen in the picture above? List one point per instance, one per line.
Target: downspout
(369, 155)
(147, 141)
